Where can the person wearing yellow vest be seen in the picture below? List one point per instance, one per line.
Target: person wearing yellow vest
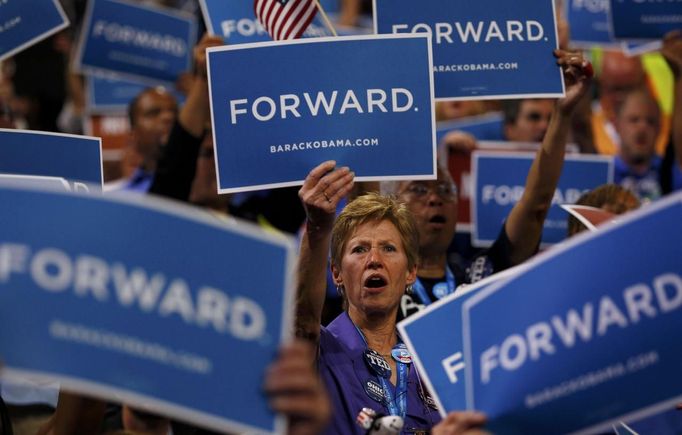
(619, 76)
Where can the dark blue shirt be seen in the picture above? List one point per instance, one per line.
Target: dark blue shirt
(646, 186)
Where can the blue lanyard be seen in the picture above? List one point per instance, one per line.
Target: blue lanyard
(399, 408)
(420, 291)
(396, 405)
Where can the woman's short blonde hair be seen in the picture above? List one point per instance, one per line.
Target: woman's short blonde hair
(375, 207)
(610, 197)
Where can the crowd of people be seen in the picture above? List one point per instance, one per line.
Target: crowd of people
(383, 248)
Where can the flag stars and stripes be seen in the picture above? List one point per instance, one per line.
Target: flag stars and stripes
(285, 19)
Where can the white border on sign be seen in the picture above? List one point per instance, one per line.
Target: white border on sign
(93, 108)
(572, 209)
(207, 17)
(473, 120)
(375, 22)
(577, 240)
(460, 292)
(254, 187)
(65, 23)
(488, 96)
(78, 66)
(475, 238)
(588, 45)
(39, 181)
(641, 48)
(72, 136)
(190, 213)
(249, 188)
(463, 228)
(434, 149)
(503, 96)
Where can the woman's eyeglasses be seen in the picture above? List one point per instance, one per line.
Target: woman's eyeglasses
(446, 191)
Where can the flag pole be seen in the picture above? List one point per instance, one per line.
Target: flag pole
(325, 18)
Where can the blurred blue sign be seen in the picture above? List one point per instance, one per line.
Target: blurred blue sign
(113, 95)
(644, 19)
(583, 339)
(499, 180)
(236, 22)
(589, 23)
(26, 22)
(489, 126)
(141, 42)
(75, 158)
(145, 302)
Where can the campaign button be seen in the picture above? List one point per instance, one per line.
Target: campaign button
(401, 354)
(377, 363)
(374, 390)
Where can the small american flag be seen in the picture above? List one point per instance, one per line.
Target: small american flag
(285, 19)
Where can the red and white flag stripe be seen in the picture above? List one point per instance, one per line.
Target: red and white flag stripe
(285, 19)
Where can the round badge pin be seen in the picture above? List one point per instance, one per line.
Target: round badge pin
(374, 390)
(440, 290)
(377, 363)
(401, 354)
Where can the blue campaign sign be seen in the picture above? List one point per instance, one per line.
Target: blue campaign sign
(113, 95)
(163, 306)
(331, 6)
(583, 339)
(236, 21)
(141, 42)
(589, 21)
(26, 22)
(434, 339)
(280, 109)
(75, 158)
(648, 19)
(485, 49)
(499, 181)
(489, 126)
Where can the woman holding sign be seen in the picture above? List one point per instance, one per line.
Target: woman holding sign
(366, 367)
(374, 250)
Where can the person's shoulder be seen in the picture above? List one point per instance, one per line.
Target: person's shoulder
(333, 334)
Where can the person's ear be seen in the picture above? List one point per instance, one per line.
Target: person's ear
(411, 275)
(336, 275)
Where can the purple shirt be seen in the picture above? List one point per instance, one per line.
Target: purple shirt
(345, 374)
